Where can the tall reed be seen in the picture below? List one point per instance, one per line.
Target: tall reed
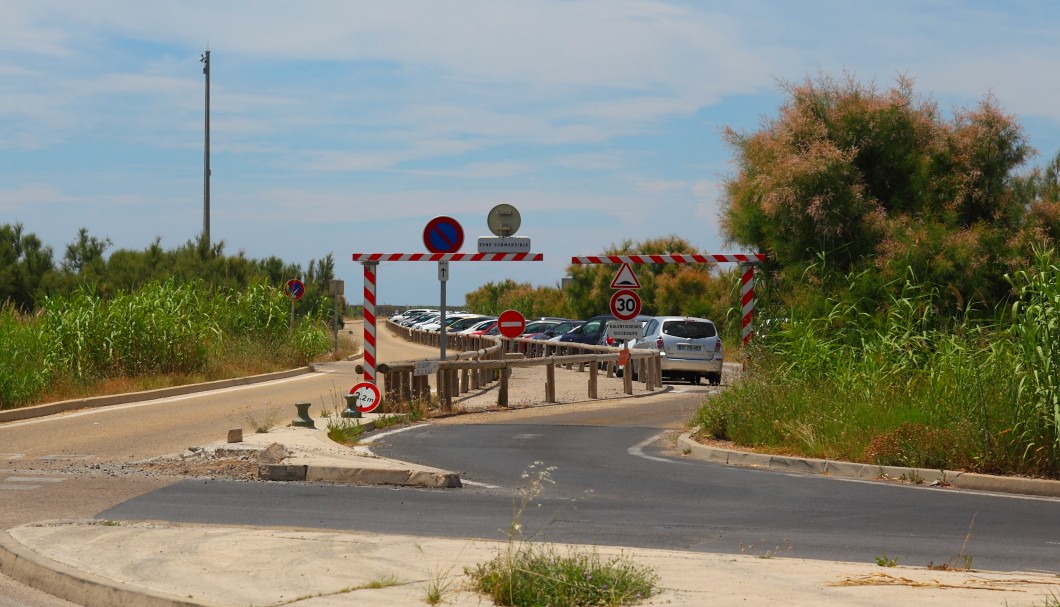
(911, 385)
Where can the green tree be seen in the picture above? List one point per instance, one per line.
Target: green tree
(25, 265)
(848, 178)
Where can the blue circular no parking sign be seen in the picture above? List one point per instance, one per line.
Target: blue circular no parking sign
(443, 235)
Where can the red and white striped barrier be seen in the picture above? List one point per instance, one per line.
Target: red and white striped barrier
(747, 292)
(670, 258)
(365, 257)
(371, 260)
(369, 322)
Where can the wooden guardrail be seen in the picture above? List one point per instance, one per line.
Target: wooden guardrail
(478, 360)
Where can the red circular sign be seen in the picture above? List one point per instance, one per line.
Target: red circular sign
(511, 323)
(443, 235)
(367, 395)
(625, 304)
(294, 289)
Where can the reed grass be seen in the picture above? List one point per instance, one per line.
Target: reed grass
(164, 330)
(911, 386)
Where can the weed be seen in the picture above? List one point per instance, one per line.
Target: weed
(885, 561)
(767, 554)
(389, 420)
(528, 574)
(263, 421)
(912, 477)
(962, 561)
(344, 430)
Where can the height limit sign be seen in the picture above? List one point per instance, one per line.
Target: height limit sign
(625, 304)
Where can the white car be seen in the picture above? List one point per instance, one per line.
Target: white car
(689, 347)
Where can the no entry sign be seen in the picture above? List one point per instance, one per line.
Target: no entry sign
(511, 323)
(443, 235)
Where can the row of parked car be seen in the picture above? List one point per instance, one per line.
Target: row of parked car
(690, 347)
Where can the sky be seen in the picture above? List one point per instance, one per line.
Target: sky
(346, 126)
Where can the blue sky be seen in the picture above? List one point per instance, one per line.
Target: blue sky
(344, 127)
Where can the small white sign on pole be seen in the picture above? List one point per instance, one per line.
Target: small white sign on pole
(426, 367)
(619, 329)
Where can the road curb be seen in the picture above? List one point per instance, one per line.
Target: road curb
(60, 580)
(10, 415)
(919, 476)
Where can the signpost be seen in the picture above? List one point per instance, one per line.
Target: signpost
(625, 304)
(443, 235)
(363, 398)
(511, 323)
(294, 290)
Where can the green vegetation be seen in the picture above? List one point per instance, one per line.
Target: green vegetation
(164, 329)
(528, 574)
(912, 387)
(146, 319)
(537, 576)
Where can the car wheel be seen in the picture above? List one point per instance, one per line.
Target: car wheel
(694, 379)
(715, 379)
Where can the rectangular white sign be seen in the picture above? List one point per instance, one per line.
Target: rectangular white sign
(621, 329)
(510, 244)
(426, 367)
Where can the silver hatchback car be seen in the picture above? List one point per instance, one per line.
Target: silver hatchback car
(690, 347)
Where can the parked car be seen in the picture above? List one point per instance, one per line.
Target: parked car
(690, 348)
(480, 327)
(450, 319)
(543, 329)
(458, 325)
(593, 332)
(559, 329)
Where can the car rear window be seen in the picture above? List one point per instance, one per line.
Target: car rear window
(689, 329)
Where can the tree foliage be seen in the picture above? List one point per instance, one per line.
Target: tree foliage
(850, 178)
(28, 272)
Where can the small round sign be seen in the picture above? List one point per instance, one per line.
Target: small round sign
(511, 323)
(294, 289)
(625, 304)
(443, 235)
(366, 395)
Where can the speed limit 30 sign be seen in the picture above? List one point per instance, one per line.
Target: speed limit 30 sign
(625, 304)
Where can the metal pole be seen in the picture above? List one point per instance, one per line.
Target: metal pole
(441, 329)
(206, 156)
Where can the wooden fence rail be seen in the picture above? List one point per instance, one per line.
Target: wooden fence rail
(476, 361)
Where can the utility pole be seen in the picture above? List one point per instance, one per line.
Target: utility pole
(206, 156)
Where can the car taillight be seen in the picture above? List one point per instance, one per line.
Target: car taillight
(717, 347)
(658, 343)
(610, 341)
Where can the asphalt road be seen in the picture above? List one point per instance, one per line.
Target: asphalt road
(615, 481)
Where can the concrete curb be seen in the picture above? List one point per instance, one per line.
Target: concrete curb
(78, 587)
(11, 415)
(21, 413)
(945, 478)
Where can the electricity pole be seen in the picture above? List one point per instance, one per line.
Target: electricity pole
(206, 157)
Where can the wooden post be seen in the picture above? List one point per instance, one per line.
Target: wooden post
(550, 383)
(593, 372)
(627, 379)
(502, 392)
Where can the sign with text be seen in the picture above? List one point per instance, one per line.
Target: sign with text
(426, 367)
(511, 244)
(621, 329)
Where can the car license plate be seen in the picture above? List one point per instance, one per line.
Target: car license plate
(689, 347)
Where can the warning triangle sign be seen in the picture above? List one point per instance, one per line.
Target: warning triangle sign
(625, 279)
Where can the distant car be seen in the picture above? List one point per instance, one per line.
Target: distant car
(558, 330)
(546, 327)
(690, 347)
(480, 327)
(464, 323)
(593, 332)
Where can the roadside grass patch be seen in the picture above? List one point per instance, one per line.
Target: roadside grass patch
(536, 575)
(530, 574)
